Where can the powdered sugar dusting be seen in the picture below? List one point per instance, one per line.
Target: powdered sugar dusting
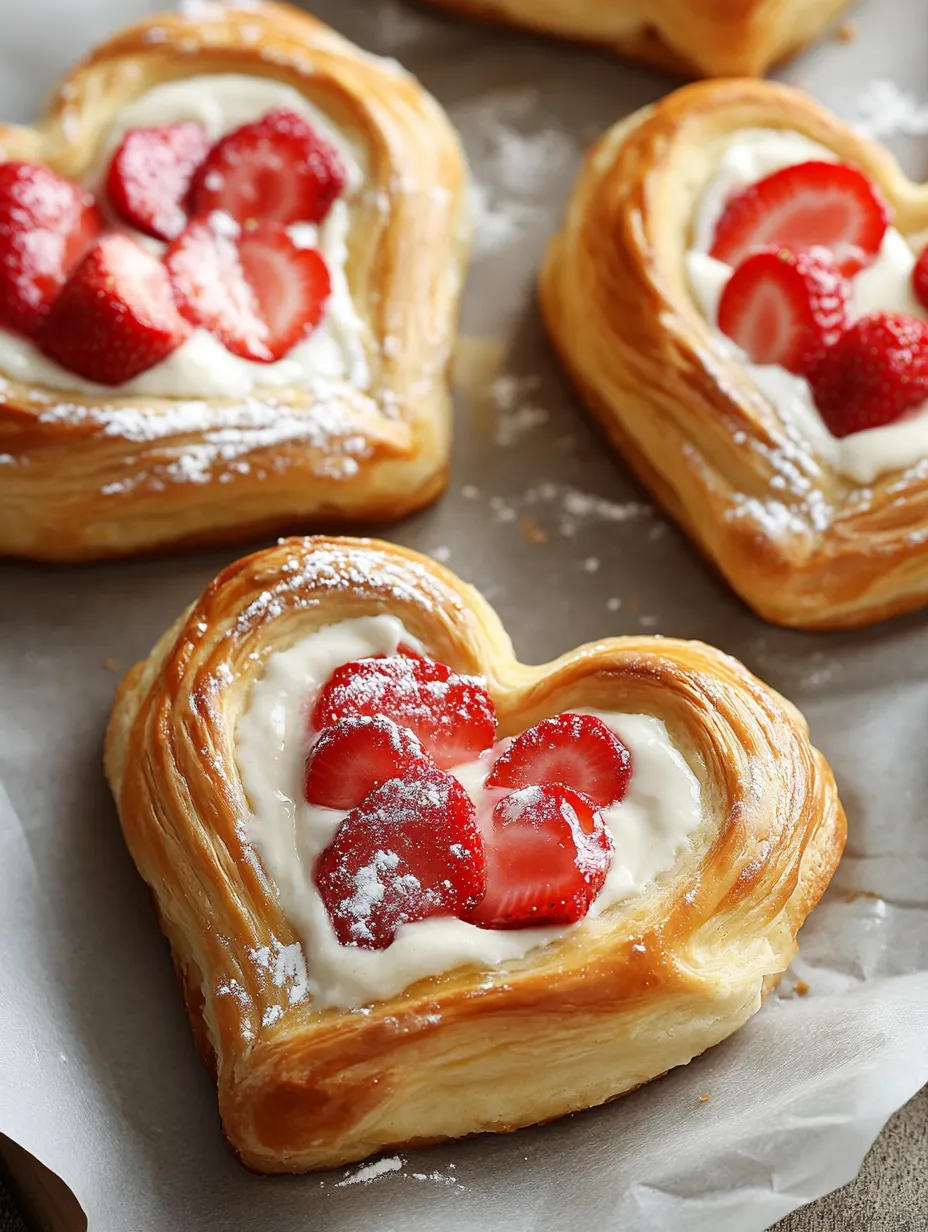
(517, 412)
(370, 1172)
(394, 1165)
(520, 165)
(572, 508)
(883, 109)
(366, 573)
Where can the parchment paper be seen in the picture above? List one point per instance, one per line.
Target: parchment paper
(98, 1075)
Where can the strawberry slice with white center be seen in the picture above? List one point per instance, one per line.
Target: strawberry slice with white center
(577, 750)
(115, 316)
(547, 859)
(785, 309)
(253, 288)
(453, 715)
(356, 755)
(150, 173)
(277, 167)
(47, 223)
(410, 851)
(809, 205)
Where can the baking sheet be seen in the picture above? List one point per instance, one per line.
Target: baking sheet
(99, 1077)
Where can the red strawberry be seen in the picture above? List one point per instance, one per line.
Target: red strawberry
(452, 715)
(150, 174)
(808, 205)
(46, 225)
(547, 860)
(254, 289)
(412, 850)
(920, 278)
(115, 316)
(785, 309)
(356, 755)
(278, 168)
(873, 374)
(577, 750)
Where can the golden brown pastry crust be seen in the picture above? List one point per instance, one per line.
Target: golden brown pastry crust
(801, 543)
(698, 38)
(646, 986)
(89, 477)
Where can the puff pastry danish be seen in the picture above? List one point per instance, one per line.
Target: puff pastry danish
(811, 528)
(315, 1069)
(209, 445)
(699, 38)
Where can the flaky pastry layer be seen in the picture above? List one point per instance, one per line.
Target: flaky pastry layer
(801, 543)
(85, 477)
(646, 986)
(699, 38)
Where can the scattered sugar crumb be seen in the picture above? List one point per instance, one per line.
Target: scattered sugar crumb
(442, 553)
(531, 530)
(613, 604)
(112, 665)
(576, 509)
(648, 622)
(370, 1172)
(591, 564)
(469, 492)
(883, 108)
(802, 988)
(516, 413)
(520, 160)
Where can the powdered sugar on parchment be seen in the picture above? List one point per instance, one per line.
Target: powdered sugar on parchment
(516, 411)
(392, 1164)
(521, 164)
(572, 508)
(883, 109)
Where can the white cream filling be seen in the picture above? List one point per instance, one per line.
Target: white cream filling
(651, 826)
(886, 284)
(202, 367)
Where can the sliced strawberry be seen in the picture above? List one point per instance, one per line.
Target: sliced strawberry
(452, 715)
(277, 168)
(356, 755)
(547, 860)
(577, 750)
(115, 316)
(808, 205)
(873, 374)
(253, 288)
(785, 309)
(46, 225)
(920, 278)
(150, 173)
(411, 850)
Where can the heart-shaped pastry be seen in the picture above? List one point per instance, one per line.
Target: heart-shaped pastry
(239, 318)
(388, 919)
(699, 38)
(733, 293)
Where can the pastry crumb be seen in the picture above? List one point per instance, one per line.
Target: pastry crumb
(704, 1098)
(532, 531)
(112, 665)
(801, 988)
(846, 33)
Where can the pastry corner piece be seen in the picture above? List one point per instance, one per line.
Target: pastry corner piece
(230, 259)
(739, 291)
(399, 871)
(697, 38)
